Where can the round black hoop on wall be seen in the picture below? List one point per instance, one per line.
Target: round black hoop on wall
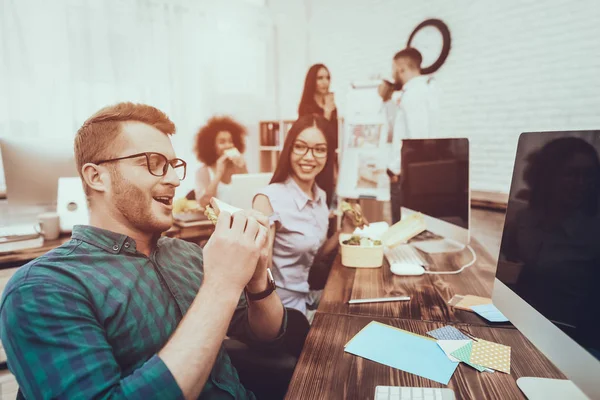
(432, 39)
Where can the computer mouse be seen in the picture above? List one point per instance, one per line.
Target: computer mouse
(404, 268)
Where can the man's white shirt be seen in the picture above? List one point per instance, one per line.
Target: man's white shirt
(412, 114)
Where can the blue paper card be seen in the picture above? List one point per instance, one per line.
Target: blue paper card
(403, 350)
(448, 333)
(489, 312)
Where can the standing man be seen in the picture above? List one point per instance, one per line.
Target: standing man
(120, 312)
(411, 113)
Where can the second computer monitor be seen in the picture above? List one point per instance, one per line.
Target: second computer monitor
(245, 186)
(549, 263)
(435, 182)
(32, 167)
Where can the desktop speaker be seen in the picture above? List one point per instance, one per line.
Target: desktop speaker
(71, 204)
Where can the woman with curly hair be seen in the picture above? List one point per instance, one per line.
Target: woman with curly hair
(219, 146)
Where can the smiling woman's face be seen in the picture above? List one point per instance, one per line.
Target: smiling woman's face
(309, 154)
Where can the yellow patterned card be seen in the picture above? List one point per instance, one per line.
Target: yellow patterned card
(491, 355)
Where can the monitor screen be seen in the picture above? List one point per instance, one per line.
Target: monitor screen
(32, 167)
(550, 251)
(435, 178)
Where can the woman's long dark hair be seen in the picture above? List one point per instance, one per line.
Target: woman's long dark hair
(284, 168)
(546, 164)
(307, 102)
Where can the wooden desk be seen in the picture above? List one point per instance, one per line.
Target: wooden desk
(198, 231)
(429, 293)
(325, 371)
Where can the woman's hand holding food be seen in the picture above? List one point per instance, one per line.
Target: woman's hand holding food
(352, 217)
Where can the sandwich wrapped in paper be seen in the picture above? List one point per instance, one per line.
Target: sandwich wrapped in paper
(213, 210)
(232, 153)
(216, 206)
(402, 231)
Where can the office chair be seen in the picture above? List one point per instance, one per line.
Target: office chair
(268, 372)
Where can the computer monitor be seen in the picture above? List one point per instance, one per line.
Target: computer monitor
(435, 183)
(548, 272)
(32, 167)
(245, 186)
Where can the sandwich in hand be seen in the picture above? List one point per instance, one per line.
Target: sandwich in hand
(232, 153)
(213, 210)
(354, 212)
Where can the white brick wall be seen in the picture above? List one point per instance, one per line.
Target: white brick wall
(291, 54)
(514, 66)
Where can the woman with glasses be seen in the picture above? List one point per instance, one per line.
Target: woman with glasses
(219, 146)
(296, 201)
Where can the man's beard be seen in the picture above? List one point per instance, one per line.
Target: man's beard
(135, 205)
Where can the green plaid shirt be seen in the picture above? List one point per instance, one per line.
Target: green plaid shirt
(87, 319)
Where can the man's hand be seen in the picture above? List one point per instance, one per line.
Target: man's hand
(259, 280)
(232, 252)
(385, 91)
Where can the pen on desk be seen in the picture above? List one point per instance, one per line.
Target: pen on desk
(378, 300)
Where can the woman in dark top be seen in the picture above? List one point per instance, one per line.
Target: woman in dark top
(317, 99)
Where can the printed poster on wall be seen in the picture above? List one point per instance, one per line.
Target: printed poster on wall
(365, 146)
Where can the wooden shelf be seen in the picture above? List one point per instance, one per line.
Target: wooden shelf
(270, 142)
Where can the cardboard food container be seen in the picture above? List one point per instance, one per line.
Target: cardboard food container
(360, 256)
(372, 256)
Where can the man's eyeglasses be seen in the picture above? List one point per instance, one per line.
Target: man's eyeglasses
(157, 164)
(301, 148)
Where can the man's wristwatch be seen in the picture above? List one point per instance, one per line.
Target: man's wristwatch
(259, 296)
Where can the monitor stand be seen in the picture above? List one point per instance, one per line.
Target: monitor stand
(545, 388)
(437, 246)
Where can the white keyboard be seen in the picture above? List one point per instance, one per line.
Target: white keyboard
(404, 253)
(412, 393)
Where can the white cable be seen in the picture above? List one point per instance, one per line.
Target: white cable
(457, 271)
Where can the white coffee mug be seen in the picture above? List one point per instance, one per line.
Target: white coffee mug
(48, 225)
